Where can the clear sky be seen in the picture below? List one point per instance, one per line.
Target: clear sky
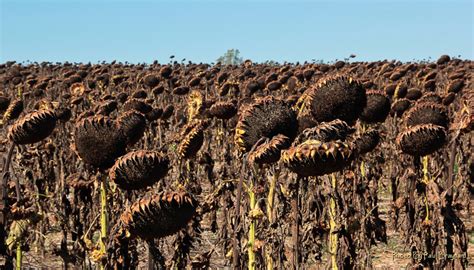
(201, 31)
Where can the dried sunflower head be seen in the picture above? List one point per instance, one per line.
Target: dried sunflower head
(193, 138)
(140, 94)
(422, 140)
(223, 110)
(151, 80)
(159, 215)
(195, 81)
(400, 106)
(315, 158)
(465, 117)
(118, 79)
(13, 111)
(166, 72)
(448, 99)
(303, 108)
(427, 113)
(377, 108)
(33, 127)
(413, 94)
(181, 90)
(63, 114)
(251, 87)
(77, 89)
(106, 107)
(430, 98)
(139, 169)
(269, 152)
(456, 86)
(336, 98)
(274, 85)
(132, 124)
(4, 103)
(99, 141)
(401, 90)
(167, 112)
(266, 117)
(154, 114)
(228, 86)
(366, 142)
(443, 59)
(138, 105)
(195, 104)
(325, 132)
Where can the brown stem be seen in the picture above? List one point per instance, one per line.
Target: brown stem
(235, 247)
(151, 261)
(452, 160)
(3, 197)
(17, 189)
(295, 227)
(158, 259)
(235, 254)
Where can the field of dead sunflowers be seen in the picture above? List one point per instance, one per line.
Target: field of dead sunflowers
(349, 165)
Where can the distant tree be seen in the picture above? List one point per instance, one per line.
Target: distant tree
(270, 63)
(231, 57)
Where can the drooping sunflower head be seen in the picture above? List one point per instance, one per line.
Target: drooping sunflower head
(400, 106)
(366, 142)
(167, 112)
(138, 105)
(315, 158)
(99, 141)
(325, 132)
(377, 109)
(33, 127)
(4, 102)
(269, 152)
(77, 89)
(304, 114)
(132, 124)
(427, 113)
(151, 80)
(266, 117)
(223, 110)
(192, 138)
(337, 97)
(159, 215)
(139, 169)
(421, 140)
(195, 104)
(14, 109)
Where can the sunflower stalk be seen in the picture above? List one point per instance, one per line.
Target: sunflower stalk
(19, 256)
(271, 196)
(235, 246)
(103, 218)
(4, 196)
(251, 236)
(362, 169)
(333, 237)
(426, 180)
(270, 216)
(295, 228)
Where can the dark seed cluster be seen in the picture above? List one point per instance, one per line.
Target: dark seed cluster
(139, 169)
(159, 215)
(99, 141)
(266, 117)
(33, 127)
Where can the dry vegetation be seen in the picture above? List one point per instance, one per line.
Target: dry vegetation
(295, 166)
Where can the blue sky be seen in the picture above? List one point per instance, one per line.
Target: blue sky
(201, 31)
